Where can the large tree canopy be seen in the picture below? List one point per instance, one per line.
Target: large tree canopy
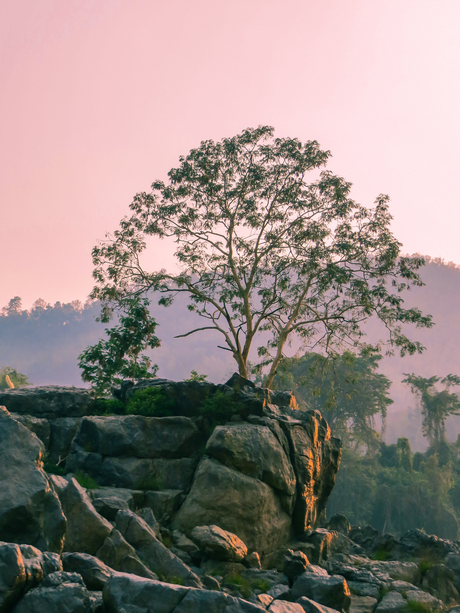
(265, 243)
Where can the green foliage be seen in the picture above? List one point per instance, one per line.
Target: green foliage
(85, 480)
(345, 388)
(194, 376)
(387, 493)
(381, 555)
(265, 246)
(436, 405)
(150, 402)
(241, 583)
(220, 407)
(110, 361)
(260, 584)
(16, 378)
(151, 483)
(420, 607)
(108, 406)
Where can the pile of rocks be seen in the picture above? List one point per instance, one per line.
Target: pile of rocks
(231, 526)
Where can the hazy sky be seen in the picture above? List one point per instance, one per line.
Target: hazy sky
(98, 98)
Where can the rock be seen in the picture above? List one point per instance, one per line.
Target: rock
(136, 436)
(318, 543)
(439, 581)
(279, 591)
(128, 594)
(264, 599)
(118, 554)
(149, 549)
(310, 606)
(219, 544)
(392, 602)
(237, 503)
(252, 560)
(404, 571)
(295, 563)
(12, 575)
(108, 501)
(331, 591)
(63, 592)
(339, 523)
(147, 515)
(86, 529)
(427, 600)
(254, 451)
(38, 564)
(30, 511)
(48, 402)
(95, 573)
(402, 587)
(59, 484)
(62, 432)
(184, 543)
(315, 457)
(418, 544)
(164, 503)
(362, 604)
(363, 589)
(39, 426)
(281, 606)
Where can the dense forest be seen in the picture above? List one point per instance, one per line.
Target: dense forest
(398, 472)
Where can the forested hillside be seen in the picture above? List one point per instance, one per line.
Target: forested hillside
(45, 341)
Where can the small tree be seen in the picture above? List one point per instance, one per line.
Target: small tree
(436, 405)
(118, 357)
(262, 249)
(16, 378)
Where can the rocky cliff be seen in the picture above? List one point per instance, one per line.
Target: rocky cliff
(215, 508)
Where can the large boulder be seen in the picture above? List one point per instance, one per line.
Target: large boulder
(219, 544)
(86, 529)
(235, 502)
(331, 591)
(151, 551)
(125, 593)
(48, 401)
(59, 592)
(30, 511)
(255, 451)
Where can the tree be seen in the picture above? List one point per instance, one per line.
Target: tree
(14, 307)
(118, 357)
(436, 405)
(263, 250)
(345, 388)
(16, 378)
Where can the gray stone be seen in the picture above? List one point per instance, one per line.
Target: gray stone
(108, 503)
(281, 606)
(149, 549)
(253, 560)
(278, 591)
(430, 602)
(404, 571)
(439, 581)
(128, 594)
(138, 437)
(331, 591)
(363, 604)
(392, 602)
(62, 432)
(141, 473)
(363, 589)
(254, 451)
(38, 425)
(48, 401)
(30, 511)
(219, 544)
(295, 563)
(61, 598)
(39, 564)
(59, 484)
(310, 606)
(119, 555)
(237, 503)
(94, 572)
(12, 575)
(147, 515)
(86, 529)
(164, 503)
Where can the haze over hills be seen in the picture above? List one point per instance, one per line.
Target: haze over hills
(44, 344)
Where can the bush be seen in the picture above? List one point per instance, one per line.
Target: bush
(108, 406)
(220, 407)
(53, 469)
(150, 402)
(85, 480)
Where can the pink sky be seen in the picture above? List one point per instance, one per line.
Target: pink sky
(100, 98)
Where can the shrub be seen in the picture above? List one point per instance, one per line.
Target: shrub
(108, 406)
(150, 402)
(85, 480)
(220, 407)
(53, 469)
(242, 584)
